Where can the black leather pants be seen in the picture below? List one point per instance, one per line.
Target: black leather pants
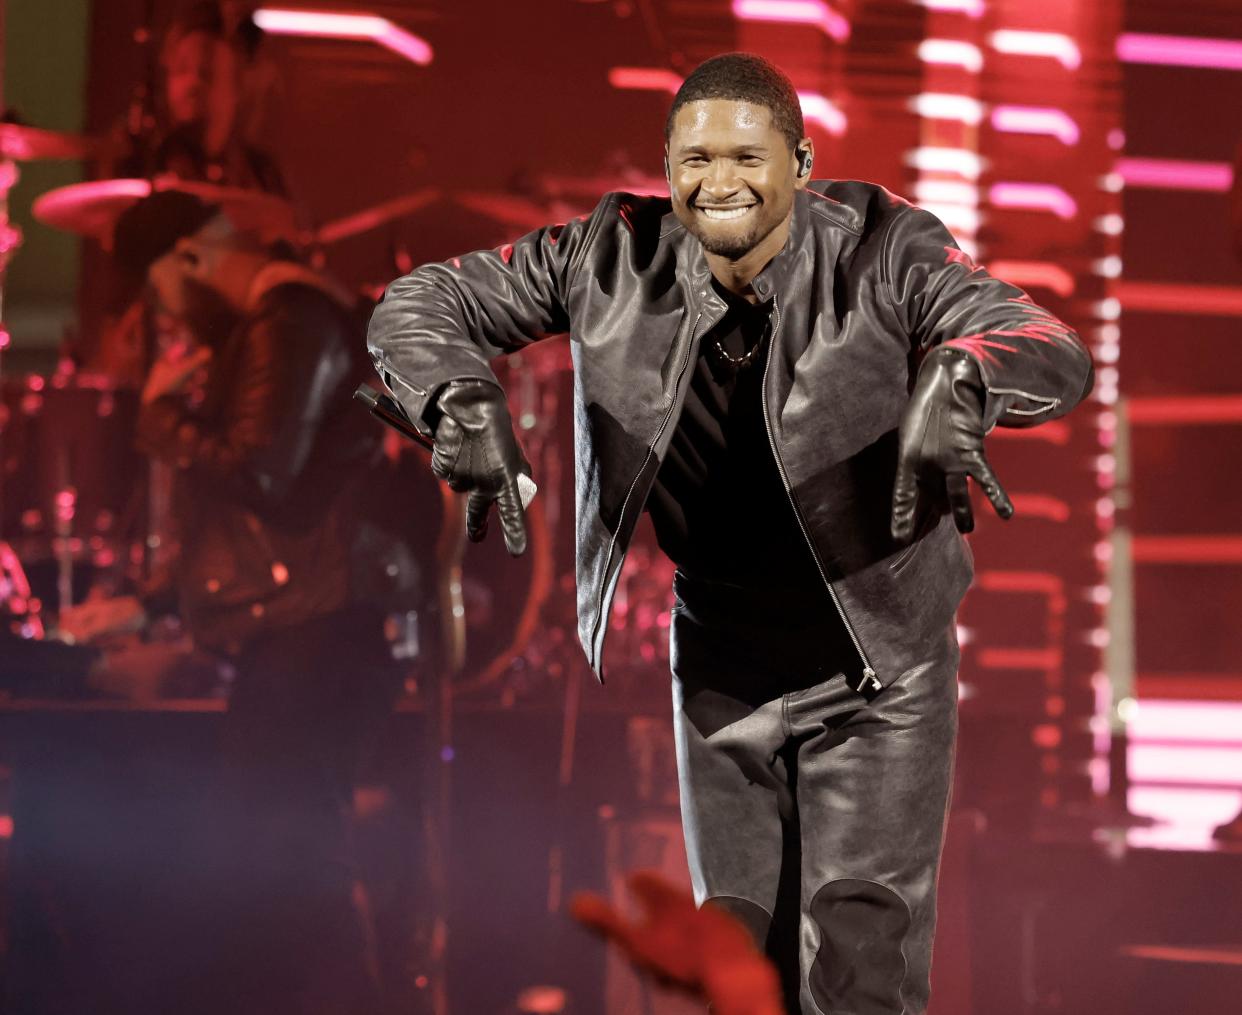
(813, 814)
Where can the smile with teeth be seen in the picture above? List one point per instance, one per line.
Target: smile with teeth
(733, 212)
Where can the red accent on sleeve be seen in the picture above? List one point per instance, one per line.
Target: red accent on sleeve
(954, 256)
(506, 253)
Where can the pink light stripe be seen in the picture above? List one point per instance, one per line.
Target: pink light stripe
(1176, 174)
(1038, 505)
(801, 12)
(1033, 197)
(1192, 409)
(1180, 51)
(1176, 298)
(1032, 274)
(1018, 659)
(1055, 432)
(653, 79)
(1192, 741)
(1194, 838)
(1035, 120)
(1191, 720)
(1200, 766)
(1186, 549)
(1059, 47)
(951, 53)
(328, 24)
(405, 44)
(1185, 806)
(823, 111)
(339, 25)
(1195, 956)
(971, 8)
(1042, 582)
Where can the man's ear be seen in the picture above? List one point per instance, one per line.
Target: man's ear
(804, 156)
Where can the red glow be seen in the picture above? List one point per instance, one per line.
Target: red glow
(338, 25)
(1186, 410)
(817, 109)
(1035, 274)
(1033, 197)
(1051, 44)
(1055, 432)
(1186, 549)
(1174, 298)
(1038, 505)
(1179, 51)
(1019, 658)
(649, 79)
(1176, 174)
(800, 12)
(1022, 581)
(1035, 120)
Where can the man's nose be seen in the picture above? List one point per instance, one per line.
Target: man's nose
(721, 181)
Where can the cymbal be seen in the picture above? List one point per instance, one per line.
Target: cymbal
(26, 144)
(507, 209)
(92, 208)
(375, 216)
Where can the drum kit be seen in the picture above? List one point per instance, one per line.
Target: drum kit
(77, 509)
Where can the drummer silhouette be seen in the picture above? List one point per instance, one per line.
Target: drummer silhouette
(192, 125)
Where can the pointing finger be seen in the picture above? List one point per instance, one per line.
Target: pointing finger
(986, 478)
(478, 506)
(512, 519)
(959, 500)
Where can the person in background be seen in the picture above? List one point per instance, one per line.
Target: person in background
(268, 464)
(212, 88)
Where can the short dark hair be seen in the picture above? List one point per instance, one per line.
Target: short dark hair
(150, 228)
(743, 77)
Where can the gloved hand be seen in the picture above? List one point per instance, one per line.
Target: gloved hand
(476, 451)
(940, 443)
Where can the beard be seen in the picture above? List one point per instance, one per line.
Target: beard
(208, 316)
(733, 247)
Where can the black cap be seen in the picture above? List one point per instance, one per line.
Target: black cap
(149, 229)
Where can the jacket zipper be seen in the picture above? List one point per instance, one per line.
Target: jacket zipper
(870, 680)
(612, 543)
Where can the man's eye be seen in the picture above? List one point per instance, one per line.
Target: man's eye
(695, 160)
(750, 160)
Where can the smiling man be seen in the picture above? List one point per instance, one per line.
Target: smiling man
(795, 379)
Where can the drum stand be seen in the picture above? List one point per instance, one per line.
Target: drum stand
(10, 240)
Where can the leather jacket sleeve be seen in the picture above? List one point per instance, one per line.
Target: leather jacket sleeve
(444, 322)
(1034, 368)
(280, 384)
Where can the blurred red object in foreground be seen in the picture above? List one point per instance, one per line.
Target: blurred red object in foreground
(704, 951)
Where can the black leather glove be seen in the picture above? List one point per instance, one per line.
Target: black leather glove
(476, 451)
(940, 443)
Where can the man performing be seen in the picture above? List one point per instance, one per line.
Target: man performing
(795, 380)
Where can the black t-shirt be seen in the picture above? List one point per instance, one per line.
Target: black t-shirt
(718, 506)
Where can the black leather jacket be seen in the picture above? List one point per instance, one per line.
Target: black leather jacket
(865, 285)
(262, 500)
